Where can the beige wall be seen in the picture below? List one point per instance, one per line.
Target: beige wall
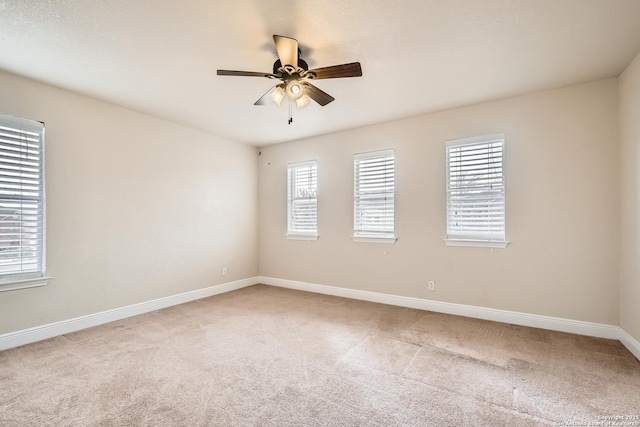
(562, 208)
(137, 208)
(629, 192)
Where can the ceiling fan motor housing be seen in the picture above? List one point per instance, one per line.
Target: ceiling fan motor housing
(289, 69)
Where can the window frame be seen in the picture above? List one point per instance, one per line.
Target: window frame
(32, 277)
(372, 235)
(296, 234)
(482, 237)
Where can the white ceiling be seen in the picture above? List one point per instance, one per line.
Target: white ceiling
(160, 56)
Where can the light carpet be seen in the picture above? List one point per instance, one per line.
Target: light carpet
(265, 356)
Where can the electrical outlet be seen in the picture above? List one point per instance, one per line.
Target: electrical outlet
(432, 285)
(224, 271)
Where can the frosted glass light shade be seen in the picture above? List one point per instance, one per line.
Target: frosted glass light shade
(294, 90)
(277, 95)
(303, 101)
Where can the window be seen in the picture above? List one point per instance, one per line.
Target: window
(21, 203)
(373, 194)
(302, 206)
(475, 192)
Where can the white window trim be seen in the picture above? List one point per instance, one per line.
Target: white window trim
(21, 283)
(364, 237)
(307, 237)
(460, 242)
(32, 279)
(499, 244)
(300, 235)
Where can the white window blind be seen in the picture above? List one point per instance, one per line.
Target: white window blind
(21, 199)
(475, 189)
(302, 203)
(374, 187)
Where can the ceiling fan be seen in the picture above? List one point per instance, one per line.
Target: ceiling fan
(295, 75)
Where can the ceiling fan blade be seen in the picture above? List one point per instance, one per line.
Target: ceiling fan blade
(264, 99)
(287, 50)
(321, 97)
(245, 73)
(336, 71)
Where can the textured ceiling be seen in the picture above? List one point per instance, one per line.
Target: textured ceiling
(160, 56)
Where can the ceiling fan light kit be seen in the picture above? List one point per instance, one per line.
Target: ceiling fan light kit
(295, 75)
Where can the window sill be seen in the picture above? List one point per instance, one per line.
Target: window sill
(476, 243)
(301, 237)
(35, 282)
(362, 239)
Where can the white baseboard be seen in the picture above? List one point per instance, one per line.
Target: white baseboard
(536, 321)
(631, 343)
(38, 333)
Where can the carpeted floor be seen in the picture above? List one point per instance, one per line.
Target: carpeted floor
(264, 356)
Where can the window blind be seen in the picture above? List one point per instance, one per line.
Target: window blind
(302, 199)
(374, 189)
(475, 189)
(21, 198)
